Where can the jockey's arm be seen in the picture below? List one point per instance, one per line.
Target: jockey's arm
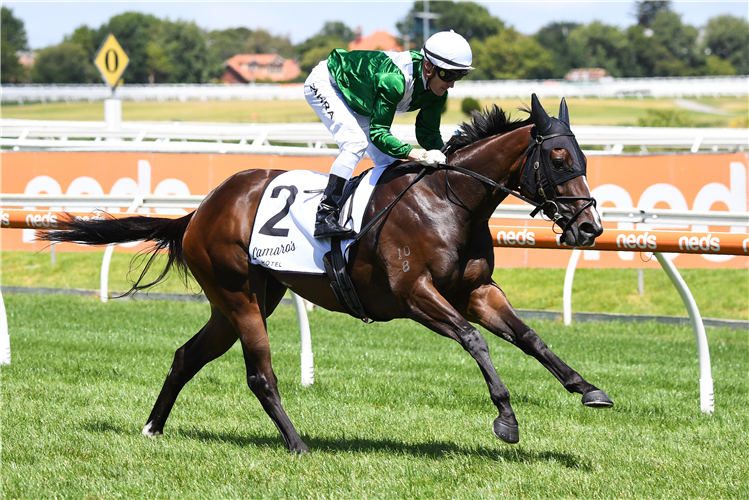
(389, 91)
(428, 126)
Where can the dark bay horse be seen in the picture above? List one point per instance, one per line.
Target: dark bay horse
(429, 259)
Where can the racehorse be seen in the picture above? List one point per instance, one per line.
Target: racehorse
(440, 222)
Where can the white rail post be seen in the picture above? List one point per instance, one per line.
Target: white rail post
(569, 277)
(707, 400)
(4, 336)
(308, 370)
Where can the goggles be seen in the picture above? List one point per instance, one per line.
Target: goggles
(450, 75)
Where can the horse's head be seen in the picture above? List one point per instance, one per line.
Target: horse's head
(554, 176)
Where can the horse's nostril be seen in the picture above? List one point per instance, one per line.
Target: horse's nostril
(589, 229)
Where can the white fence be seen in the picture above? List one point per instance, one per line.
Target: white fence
(501, 89)
(258, 137)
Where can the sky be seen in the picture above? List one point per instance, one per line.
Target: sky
(48, 22)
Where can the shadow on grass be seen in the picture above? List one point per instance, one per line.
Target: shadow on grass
(435, 450)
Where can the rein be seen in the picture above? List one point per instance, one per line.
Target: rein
(533, 149)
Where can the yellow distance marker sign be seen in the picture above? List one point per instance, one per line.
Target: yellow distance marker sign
(111, 60)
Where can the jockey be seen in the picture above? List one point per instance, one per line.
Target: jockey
(356, 95)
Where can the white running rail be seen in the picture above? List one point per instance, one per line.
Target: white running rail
(313, 138)
(522, 89)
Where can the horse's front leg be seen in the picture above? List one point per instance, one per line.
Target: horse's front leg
(489, 307)
(428, 307)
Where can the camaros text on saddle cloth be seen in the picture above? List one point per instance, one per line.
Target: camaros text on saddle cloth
(282, 236)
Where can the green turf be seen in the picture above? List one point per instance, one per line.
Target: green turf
(395, 412)
(719, 293)
(622, 112)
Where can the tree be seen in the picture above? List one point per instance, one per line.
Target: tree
(230, 42)
(12, 39)
(598, 45)
(13, 30)
(681, 42)
(178, 53)
(63, 63)
(727, 37)
(332, 36)
(510, 55)
(227, 43)
(553, 37)
(645, 12)
(714, 65)
(471, 20)
(337, 29)
(262, 42)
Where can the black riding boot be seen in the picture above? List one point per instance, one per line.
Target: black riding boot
(326, 220)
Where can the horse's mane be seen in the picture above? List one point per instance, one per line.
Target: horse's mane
(485, 124)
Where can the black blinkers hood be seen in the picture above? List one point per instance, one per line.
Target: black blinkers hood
(540, 176)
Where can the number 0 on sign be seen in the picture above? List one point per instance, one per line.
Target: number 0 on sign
(111, 60)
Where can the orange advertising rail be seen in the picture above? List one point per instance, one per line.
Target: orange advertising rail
(503, 236)
(45, 219)
(627, 240)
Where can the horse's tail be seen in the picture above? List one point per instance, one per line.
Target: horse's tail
(166, 234)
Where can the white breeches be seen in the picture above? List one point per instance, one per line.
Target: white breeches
(350, 130)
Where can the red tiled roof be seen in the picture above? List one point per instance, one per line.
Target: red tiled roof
(379, 40)
(243, 68)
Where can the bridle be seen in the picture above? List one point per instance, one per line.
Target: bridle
(545, 179)
(542, 176)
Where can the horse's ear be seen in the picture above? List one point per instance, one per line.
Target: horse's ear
(564, 114)
(540, 117)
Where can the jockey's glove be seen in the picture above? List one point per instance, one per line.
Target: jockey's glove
(431, 158)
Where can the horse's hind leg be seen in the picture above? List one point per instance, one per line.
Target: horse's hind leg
(212, 341)
(262, 380)
(489, 307)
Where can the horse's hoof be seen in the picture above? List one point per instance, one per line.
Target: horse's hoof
(150, 433)
(505, 432)
(597, 399)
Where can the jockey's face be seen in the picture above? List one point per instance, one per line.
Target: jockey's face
(434, 82)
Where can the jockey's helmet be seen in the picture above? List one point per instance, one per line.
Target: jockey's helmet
(449, 51)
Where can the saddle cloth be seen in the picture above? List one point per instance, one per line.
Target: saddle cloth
(282, 236)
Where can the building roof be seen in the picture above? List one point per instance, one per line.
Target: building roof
(244, 68)
(379, 40)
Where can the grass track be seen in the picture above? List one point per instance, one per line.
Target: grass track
(395, 412)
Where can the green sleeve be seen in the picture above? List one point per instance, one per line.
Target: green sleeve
(428, 125)
(389, 91)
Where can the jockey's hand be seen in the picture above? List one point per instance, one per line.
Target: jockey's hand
(431, 158)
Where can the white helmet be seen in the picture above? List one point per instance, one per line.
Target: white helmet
(448, 50)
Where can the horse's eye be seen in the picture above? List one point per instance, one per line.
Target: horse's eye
(560, 159)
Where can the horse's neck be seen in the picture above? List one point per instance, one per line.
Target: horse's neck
(499, 159)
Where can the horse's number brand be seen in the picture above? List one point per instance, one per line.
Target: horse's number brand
(269, 228)
(406, 252)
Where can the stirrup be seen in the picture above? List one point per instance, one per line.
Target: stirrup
(332, 229)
